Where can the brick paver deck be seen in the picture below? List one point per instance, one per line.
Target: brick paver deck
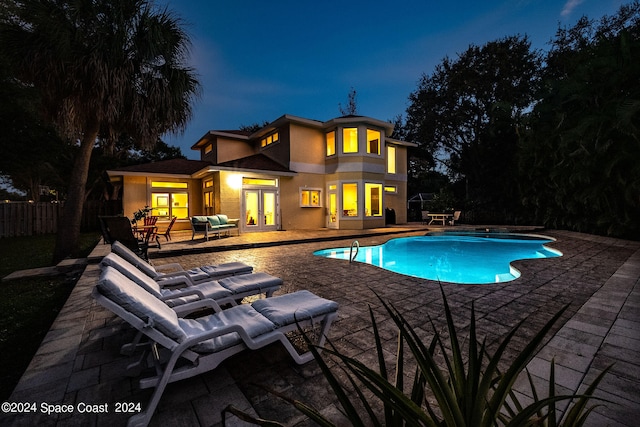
(79, 363)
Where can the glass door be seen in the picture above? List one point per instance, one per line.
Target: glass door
(260, 210)
(332, 212)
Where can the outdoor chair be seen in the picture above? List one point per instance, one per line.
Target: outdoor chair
(227, 290)
(167, 232)
(119, 229)
(425, 217)
(174, 273)
(205, 342)
(455, 217)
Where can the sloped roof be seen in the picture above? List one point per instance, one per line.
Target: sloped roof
(255, 162)
(167, 167)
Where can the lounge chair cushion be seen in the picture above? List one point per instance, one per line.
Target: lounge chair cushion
(115, 286)
(130, 256)
(133, 273)
(210, 289)
(244, 315)
(248, 282)
(278, 310)
(222, 218)
(227, 268)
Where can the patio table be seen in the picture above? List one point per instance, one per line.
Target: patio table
(442, 217)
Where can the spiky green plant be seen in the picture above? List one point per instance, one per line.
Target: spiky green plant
(473, 393)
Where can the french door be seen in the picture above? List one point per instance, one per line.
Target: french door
(260, 209)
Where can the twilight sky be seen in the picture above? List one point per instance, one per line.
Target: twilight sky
(258, 60)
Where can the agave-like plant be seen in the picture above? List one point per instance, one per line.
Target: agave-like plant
(475, 393)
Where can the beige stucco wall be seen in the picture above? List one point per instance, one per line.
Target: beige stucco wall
(228, 194)
(295, 217)
(309, 145)
(229, 149)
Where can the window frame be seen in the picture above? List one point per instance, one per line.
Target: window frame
(310, 198)
(352, 137)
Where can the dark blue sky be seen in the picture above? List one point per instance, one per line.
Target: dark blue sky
(258, 60)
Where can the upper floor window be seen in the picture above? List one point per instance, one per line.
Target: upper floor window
(350, 140)
(373, 141)
(270, 139)
(331, 143)
(391, 159)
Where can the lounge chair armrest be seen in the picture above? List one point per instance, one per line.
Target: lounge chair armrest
(191, 307)
(178, 278)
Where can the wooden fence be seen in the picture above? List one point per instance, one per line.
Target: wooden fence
(28, 218)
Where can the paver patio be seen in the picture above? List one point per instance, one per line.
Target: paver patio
(79, 362)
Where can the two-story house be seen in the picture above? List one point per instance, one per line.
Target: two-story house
(293, 173)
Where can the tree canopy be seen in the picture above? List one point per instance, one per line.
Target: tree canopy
(468, 112)
(579, 164)
(102, 68)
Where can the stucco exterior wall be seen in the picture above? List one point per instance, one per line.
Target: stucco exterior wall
(295, 217)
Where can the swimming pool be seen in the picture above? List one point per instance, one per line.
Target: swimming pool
(465, 258)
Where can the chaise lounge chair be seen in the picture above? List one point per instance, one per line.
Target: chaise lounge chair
(223, 291)
(174, 273)
(205, 342)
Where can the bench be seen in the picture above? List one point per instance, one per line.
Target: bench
(212, 224)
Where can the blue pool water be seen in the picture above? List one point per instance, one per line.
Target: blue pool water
(458, 258)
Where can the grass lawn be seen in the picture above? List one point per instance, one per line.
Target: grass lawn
(29, 306)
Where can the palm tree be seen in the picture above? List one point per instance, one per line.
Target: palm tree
(102, 68)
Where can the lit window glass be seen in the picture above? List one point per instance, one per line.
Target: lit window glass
(373, 199)
(350, 199)
(162, 184)
(309, 198)
(350, 140)
(373, 141)
(260, 181)
(168, 205)
(331, 143)
(391, 159)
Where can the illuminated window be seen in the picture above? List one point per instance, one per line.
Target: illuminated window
(350, 140)
(260, 181)
(270, 139)
(333, 187)
(390, 189)
(331, 143)
(372, 199)
(350, 199)
(170, 202)
(373, 141)
(168, 205)
(208, 197)
(309, 198)
(163, 184)
(391, 159)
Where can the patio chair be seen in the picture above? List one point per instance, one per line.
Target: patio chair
(118, 228)
(174, 273)
(167, 232)
(227, 290)
(455, 217)
(425, 217)
(203, 343)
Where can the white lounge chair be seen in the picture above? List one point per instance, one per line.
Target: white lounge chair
(227, 290)
(205, 342)
(174, 273)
